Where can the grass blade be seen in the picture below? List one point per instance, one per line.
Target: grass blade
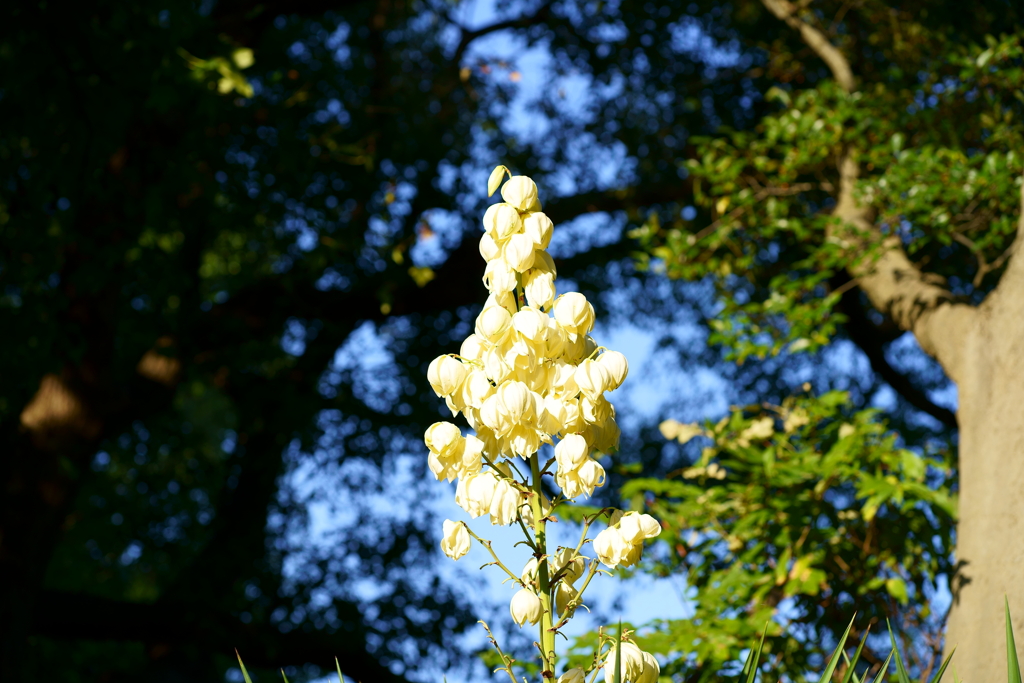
(336, 664)
(901, 670)
(750, 668)
(245, 674)
(885, 668)
(850, 675)
(836, 656)
(283, 676)
(942, 669)
(1012, 665)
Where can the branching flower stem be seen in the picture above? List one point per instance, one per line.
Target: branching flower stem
(487, 544)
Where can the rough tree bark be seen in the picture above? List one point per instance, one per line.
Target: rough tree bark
(982, 350)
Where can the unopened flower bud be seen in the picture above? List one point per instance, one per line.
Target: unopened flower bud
(455, 539)
(563, 596)
(521, 192)
(494, 180)
(525, 607)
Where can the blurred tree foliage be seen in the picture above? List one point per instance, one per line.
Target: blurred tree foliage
(232, 236)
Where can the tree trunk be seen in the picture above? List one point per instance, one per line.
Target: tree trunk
(990, 549)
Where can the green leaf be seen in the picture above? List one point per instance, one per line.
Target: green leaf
(901, 670)
(1012, 665)
(245, 674)
(750, 668)
(283, 676)
(885, 668)
(338, 666)
(942, 669)
(834, 661)
(852, 663)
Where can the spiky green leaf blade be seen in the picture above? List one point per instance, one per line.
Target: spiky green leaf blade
(245, 674)
(884, 670)
(1012, 665)
(618, 654)
(901, 670)
(750, 668)
(283, 676)
(338, 666)
(852, 663)
(942, 669)
(833, 662)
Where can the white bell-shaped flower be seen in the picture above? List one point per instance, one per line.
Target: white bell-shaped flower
(474, 493)
(539, 285)
(521, 192)
(443, 438)
(493, 324)
(596, 410)
(489, 249)
(570, 564)
(504, 503)
(525, 607)
(571, 451)
(574, 313)
(518, 252)
(574, 675)
(516, 402)
(651, 670)
(530, 571)
(632, 663)
(499, 277)
(617, 367)
(539, 228)
(592, 378)
(446, 375)
(502, 221)
(455, 539)
(611, 547)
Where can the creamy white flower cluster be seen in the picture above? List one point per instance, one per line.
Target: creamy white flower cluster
(530, 374)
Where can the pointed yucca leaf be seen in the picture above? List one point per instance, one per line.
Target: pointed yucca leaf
(618, 655)
(283, 676)
(836, 656)
(942, 669)
(750, 668)
(245, 674)
(901, 670)
(1012, 665)
(884, 670)
(338, 667)
(956, 679)
(852, 663)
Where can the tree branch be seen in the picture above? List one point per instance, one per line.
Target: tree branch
(468, 36)
(893, 284)
(861, 333)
